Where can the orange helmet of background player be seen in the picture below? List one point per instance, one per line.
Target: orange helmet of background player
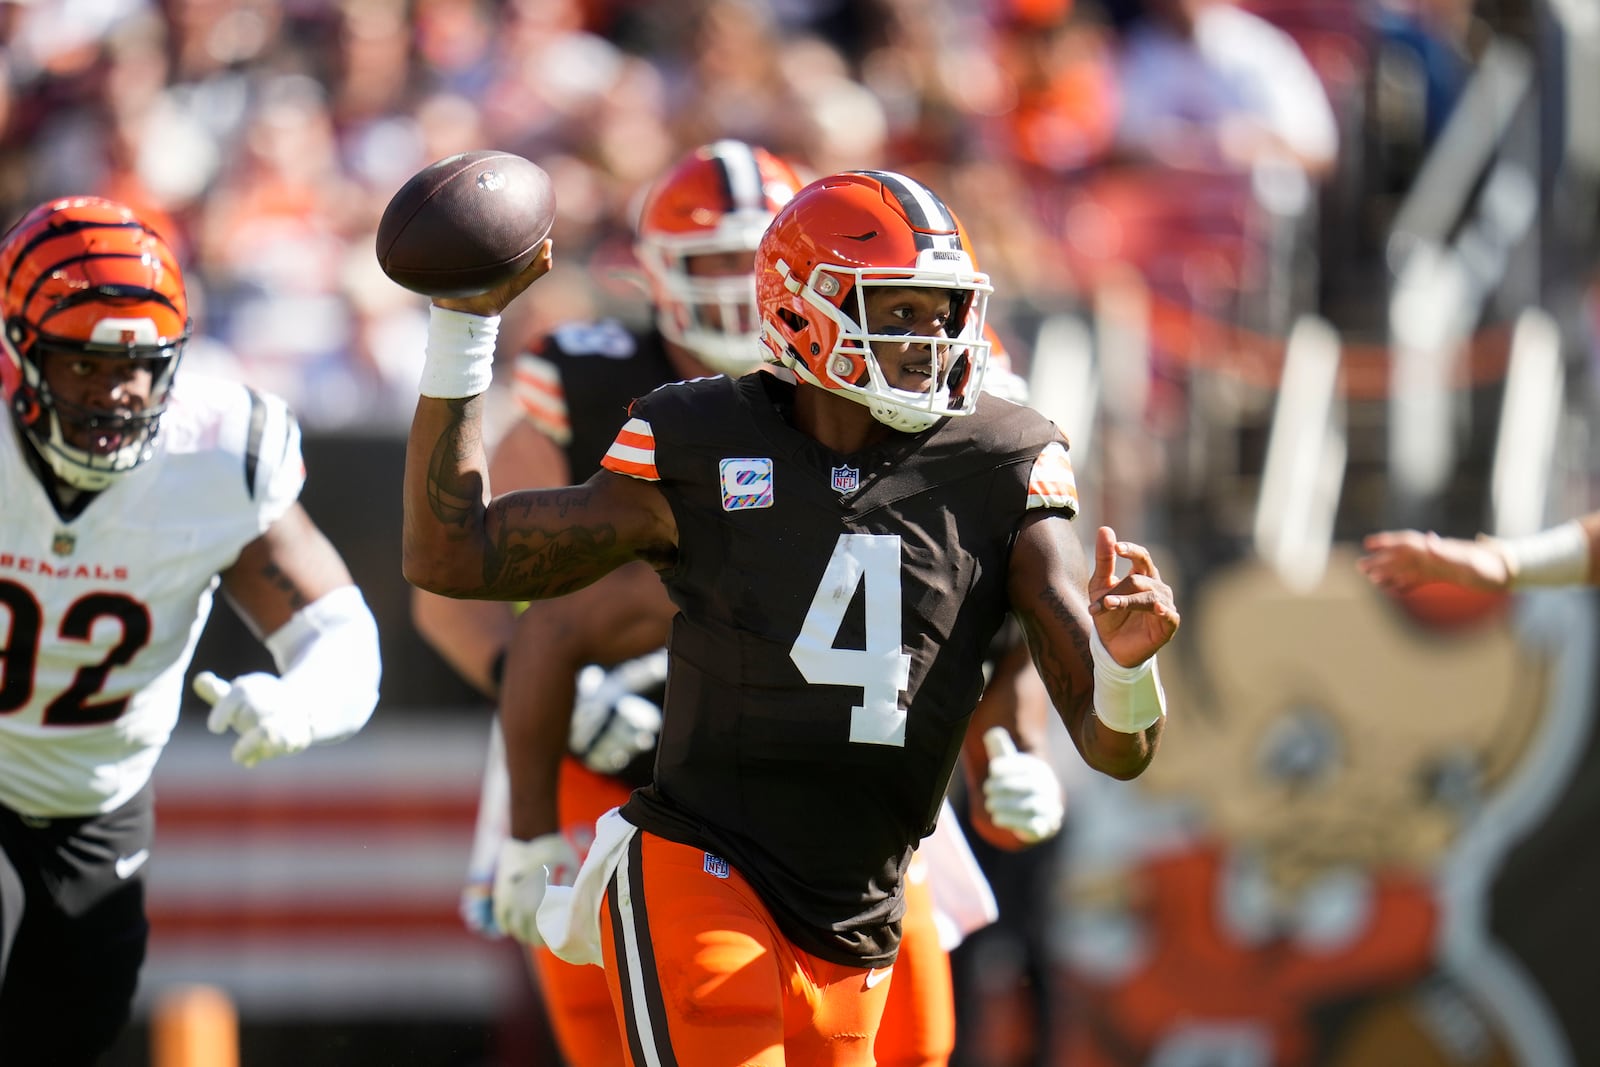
(846, 233)
(85, 276)
(717, 199)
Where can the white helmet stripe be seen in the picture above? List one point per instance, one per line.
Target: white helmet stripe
(925, 210)
(741, 174)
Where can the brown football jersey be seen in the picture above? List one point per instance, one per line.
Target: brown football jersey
(577, 387)
(835, 613)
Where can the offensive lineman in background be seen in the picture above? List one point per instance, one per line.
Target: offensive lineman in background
(129, 496)
(698, 227)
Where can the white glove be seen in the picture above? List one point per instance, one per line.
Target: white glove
(611, 723)
(521, 874)
(1020, 792)
(270, 717)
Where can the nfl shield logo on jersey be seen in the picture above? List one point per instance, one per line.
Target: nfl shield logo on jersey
(846, 479)
(63, 543)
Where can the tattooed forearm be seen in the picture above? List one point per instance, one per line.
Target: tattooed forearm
(454, 497)
(277, 579)
(1067, 672)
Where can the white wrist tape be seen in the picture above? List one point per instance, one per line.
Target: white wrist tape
(1127, 699)
(328, 651)
(1557, 556)
(460, 353)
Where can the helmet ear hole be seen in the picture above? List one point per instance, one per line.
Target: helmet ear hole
(956, 380)
(26, 406)
(792, 320)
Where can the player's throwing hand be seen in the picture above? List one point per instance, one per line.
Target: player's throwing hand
(496, 300)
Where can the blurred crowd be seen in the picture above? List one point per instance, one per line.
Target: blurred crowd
(1194, 140)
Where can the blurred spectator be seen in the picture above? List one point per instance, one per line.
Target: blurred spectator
(454, 41)
(122, 138)
(272, 236)
(937, 73)
(372, 94)
(727, 83)
(842, 123)
(271, 132)
(1206, 85)
(1061, 72)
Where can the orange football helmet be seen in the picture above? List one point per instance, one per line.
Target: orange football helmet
(84, 276)
(717, 199)
(839, 236)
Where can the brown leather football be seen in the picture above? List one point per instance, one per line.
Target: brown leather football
(466, 223)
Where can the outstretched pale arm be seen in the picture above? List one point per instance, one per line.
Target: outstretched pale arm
(1562, 555)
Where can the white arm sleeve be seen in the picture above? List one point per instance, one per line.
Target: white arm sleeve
(328, 653)
(1557, 556)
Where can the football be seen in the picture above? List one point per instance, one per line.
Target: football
(466, 223)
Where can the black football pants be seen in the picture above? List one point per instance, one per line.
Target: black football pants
(72, 931)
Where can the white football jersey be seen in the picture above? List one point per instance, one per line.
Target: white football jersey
(99, 616)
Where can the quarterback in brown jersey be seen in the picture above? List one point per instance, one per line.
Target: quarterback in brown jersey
(841, 540)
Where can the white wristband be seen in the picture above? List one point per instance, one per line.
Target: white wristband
(460, 353)
(1126, 699)
(1557, 556)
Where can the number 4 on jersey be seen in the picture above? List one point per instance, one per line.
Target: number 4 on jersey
(883, 669)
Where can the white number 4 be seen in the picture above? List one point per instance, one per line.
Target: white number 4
(883, 668)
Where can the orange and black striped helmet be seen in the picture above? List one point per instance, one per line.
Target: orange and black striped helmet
(715, 200)
(84, 276)
(837, 239)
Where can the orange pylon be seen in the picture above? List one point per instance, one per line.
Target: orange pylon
(194, 1026)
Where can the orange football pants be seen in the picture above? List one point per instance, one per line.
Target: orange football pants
(703, 978)
(918, 1024)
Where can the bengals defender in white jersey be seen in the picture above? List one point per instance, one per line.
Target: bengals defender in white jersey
(130, 497)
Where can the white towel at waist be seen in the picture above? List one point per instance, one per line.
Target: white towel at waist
(569, 916)
(962, 899)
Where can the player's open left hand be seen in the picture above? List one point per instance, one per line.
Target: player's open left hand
(499, 298)
(270, 719)
(1401, 560)
(1134, 615)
